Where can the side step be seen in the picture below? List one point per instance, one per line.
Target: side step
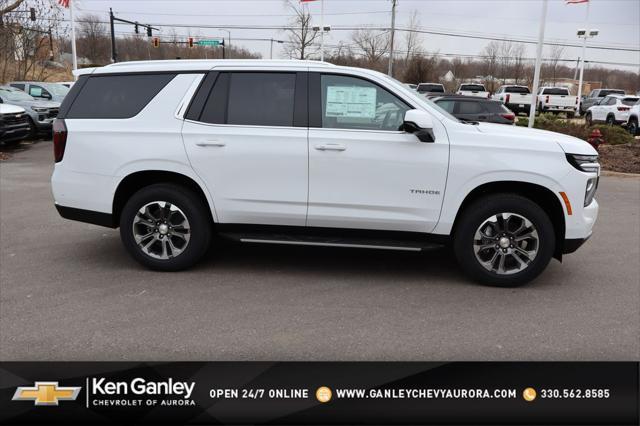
(328, 237)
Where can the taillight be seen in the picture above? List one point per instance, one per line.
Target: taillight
(624, 108)
(546, 99)
(506, 99)
(509, 117)
(59, 139)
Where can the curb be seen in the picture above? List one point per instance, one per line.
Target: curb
(619, 174)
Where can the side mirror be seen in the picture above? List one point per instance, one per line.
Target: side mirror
(419, 123)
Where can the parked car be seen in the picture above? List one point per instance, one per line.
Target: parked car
(557, 99)
(292, 152)
(516, 98)
(473, 90)
(612, 109)
(469, 108)
(41, 113)
(632, 121)
(14, 124)
(49, 91)
(429, 88)
(596, 96)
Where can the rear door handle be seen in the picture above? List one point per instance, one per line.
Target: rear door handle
(210, 143)
(330, 147)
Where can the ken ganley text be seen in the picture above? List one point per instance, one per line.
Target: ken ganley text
(124, 393)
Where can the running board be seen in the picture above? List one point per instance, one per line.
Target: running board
(330, 237)
(327, 244)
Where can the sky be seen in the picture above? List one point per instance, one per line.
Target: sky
(618, 22)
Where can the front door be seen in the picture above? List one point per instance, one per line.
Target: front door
(364, 172)
(249, 145)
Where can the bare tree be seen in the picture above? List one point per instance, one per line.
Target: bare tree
(519, 51)
(27, 46)
(93, 41)
(412, 39)
(373, 44)
(489, 63)
(505, 59)
(555, 55)
(301, 33)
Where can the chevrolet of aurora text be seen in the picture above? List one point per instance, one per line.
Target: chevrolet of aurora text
(175, 153)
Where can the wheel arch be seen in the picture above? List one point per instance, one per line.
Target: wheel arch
(539, 194)
(135, 181)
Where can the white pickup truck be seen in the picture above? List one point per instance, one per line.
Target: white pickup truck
(474, 89)
(516, 98)
(557, 99)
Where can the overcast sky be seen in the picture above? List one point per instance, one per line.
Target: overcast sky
(617, 20)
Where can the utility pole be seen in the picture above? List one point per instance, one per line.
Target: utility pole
(271, 49)
(393, 30)
(114, 55)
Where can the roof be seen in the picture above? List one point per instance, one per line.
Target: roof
(186, 65)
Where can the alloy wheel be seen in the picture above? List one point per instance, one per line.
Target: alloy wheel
(506, 243)
(161, 230)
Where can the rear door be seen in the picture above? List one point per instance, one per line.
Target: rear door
(364, 172)
(246, 136)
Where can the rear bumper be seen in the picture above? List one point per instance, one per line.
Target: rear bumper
(86, 216)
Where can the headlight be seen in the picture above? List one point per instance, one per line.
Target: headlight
(590, 192)
(584, 163)
(40, 109)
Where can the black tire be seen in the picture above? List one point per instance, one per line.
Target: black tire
(189, 205)
(611, 120)
(633, 127)
(570, 115)
(588, 119)
(480, 211)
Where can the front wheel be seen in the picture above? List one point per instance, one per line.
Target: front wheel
(588, 119)
(504, 240)
(633, 127)
(611, 120)
(166, 227)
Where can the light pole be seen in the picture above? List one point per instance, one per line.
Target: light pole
(271, 49)
(229, 44)
(584, 35)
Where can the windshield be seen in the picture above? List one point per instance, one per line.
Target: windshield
(604, 93)
(56, 89)
(517, 89)
(476, 87)
(15, 95)
(430, 88)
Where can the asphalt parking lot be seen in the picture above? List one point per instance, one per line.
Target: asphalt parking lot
(68, 291)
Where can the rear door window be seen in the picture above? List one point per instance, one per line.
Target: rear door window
(261, 99)
(117, 96)
(470, 107)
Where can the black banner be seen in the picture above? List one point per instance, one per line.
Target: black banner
(461, 393)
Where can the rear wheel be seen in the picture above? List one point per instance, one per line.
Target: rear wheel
(504, 240)
(588, 119)
(611, 120)
(165, 227)
(633, 126)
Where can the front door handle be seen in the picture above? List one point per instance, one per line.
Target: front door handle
(330, 147)
(210, 143)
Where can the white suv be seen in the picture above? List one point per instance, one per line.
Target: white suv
(612, 109)
(295, 152)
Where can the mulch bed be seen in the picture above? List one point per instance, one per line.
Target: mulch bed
(621, 158)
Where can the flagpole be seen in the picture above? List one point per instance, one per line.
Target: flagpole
(73, 38)
(536, 74)
(584, 51)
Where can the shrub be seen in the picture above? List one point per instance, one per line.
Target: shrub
(614, 135)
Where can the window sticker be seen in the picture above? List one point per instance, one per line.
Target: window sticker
(351, 101)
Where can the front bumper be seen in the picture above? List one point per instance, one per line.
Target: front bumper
(573, 244)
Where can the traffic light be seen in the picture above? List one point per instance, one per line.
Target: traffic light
(32, 13)
(156, 42)
(149, 34)
(190, 41)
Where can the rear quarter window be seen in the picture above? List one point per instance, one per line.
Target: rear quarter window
(117, 96)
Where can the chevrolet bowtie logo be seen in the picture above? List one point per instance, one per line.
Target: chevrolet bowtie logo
(46, 393)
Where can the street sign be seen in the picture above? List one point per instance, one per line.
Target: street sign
(210, 42)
